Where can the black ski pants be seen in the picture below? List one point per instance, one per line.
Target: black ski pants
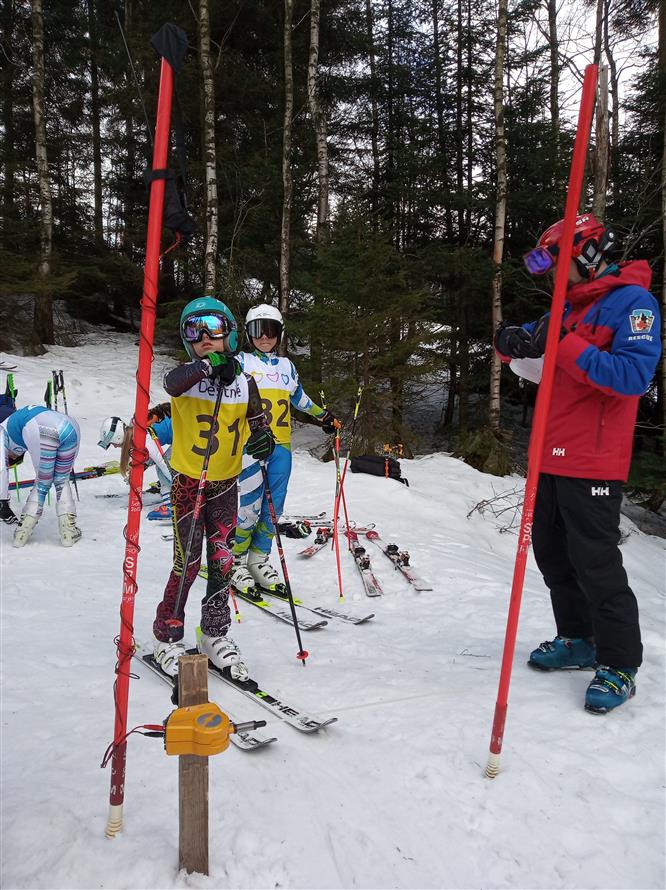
(575, 535)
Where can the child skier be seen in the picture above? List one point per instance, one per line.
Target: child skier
(52, 440)
(278, 384)
(115, 433)
(209, 334)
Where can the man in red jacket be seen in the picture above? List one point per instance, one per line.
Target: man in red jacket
(606, 357)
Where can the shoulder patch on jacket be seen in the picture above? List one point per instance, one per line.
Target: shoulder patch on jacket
(641, 321)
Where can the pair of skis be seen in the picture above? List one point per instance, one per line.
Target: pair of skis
(267, 604)
(253, 739)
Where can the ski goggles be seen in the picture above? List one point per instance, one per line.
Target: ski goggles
(538, 261)
(264, 327)
(216, 326)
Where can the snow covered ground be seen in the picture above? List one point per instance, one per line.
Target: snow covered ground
(393, 794)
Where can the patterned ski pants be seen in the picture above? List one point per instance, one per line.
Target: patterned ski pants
(217, 520)
(52, 440)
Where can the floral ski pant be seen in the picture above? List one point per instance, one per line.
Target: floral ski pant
(217, 520)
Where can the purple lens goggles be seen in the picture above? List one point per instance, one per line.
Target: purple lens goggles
(538, 261)
(215, 326)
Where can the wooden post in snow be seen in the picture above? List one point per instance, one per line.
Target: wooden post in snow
(193, 773)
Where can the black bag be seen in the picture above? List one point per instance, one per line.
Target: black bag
(376, 465)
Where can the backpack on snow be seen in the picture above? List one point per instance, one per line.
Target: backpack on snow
(376, 465)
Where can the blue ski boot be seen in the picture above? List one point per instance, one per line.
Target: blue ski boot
(610, 688)
(563, 653)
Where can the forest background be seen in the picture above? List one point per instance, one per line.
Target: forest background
(376, 168)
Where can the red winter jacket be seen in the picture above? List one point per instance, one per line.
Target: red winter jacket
(604, 365)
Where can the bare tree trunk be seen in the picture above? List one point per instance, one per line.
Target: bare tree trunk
(374, 130)
(615, 113)
(318, 121)
(43, 313)
(500, 211)
(126, 238)
(210, 158)
(95, 123)
(554, 46)
(8, 111)
(463, 397)
(459, 127)
(601, 148)
(441, 129)
(287, 184)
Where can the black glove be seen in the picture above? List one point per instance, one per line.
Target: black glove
(329, 422)
(294, 529)
(7, 514)
(159, 412)
(541, 332)
(261, 444)
(223, 368)
(515, 341)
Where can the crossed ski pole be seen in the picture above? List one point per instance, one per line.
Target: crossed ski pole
(175, 621)
(301, 654)
(335, 543)
(58, 379)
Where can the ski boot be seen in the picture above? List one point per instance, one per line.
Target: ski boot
(563, 653)
(163, 512)
(224, 654)
(264, 574)
(167, 655)
(361, 557)
(25, 529)
(241, 579)
(610, 688)
(69, 533)
(323, 535)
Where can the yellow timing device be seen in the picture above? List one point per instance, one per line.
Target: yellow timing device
(199, 729)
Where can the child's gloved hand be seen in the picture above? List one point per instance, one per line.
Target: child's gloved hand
(222, 368)
(261, 444)
(329, 422)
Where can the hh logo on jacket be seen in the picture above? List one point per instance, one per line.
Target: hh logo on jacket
(600, 490)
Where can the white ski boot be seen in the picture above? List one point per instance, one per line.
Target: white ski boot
(241, 579)
(167, 655)
(69, 532)
(223, 653)
(25, 529)
(262, 571)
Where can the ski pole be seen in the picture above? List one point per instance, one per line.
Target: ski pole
(335, 543)
(541, 415)
(56, 390)
(18, 487)
(359, 393)
(59, 386)
(301, 654)
(175, 621)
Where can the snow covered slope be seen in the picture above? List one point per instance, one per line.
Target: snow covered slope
(392, 795)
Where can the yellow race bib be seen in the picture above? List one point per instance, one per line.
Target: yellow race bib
(194, 426)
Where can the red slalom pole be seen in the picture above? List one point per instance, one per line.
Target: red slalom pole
(541, 412)
(125, 641)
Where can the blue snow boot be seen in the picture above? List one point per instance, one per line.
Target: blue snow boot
(563, 653)
(610, 688)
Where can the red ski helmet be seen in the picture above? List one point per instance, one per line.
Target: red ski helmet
(592, 243)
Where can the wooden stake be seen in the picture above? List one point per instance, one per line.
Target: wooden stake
(193, 773)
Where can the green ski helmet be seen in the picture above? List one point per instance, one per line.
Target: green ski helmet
(196, 312)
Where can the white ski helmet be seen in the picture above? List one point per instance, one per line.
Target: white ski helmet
(112, 432)
(264, 319)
